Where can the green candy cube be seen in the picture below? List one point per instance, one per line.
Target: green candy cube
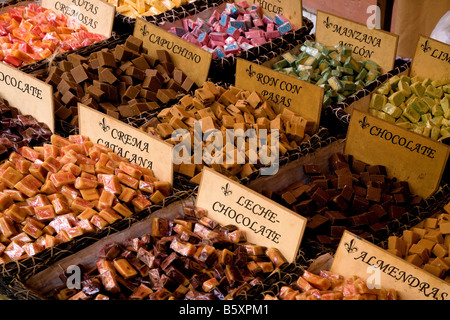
(396, 98)
(392, 110)
(411, 114)
(418, 89)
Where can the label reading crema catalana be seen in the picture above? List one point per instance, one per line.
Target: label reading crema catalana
(127, 142)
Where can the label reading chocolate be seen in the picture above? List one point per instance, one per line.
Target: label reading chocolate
(192, 60)
(368, 44)
(406, 155)
(265, 222)
(301, 97)
(96, 15)
(290, 9)
(381, 269)
(28, 94)
(127, 142)
(431, 59)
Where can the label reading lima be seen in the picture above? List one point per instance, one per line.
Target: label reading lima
(377, 45)
(191, 59)
(379, 268)
(431, 59)
(406, 155)
(28, 94)
(96, 15)
(265, 222)
(301, 97)
(127, 142)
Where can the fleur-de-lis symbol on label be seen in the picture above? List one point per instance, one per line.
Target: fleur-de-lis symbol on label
(144, 30)
(364, 124)
(250, 71)
(327, 23)
(425, 46)
(104, 126)
(350, 247)
(226, 190)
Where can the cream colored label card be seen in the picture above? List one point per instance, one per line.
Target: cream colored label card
(265, 222)
(381, 269)
(406, 155)
(377, 45)
(431, 60)
(189, 58)
(96, 15)
(301, 97)
(28, 94)
(290, 9)
(127, 142)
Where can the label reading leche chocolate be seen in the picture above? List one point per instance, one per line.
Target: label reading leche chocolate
(265, 222)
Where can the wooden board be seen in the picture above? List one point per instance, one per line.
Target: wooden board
(356, 256)
(28, 94)
(406, 155)
(127, 141)
(266, 222)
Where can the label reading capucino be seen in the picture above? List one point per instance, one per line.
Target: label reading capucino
(96, 15)
(301, 97)
(127, 142)
(358, 257)
(290, 9)
(28, 94)
(189, 58)
(431, 59)
(377, 45)
(265, 222)
(406, 155)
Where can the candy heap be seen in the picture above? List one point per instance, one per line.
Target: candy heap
(215, 108)
(31, 33)
(239, 27)
(17, 130)
(331, 286)
(191, 258)
(63, 190)
(426, 244)
(142, 8)
(419, 105)
(122, 81)
(355, 196)
(333, 68)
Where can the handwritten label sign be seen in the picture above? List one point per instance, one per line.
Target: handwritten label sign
(265, 222)
(303, 98)
(431, 59)
(28, 94)
(356, 256)
(406, 155)
(97, 16)
(192, 60)
(377, 45)
(127, 142)
(290, 9)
